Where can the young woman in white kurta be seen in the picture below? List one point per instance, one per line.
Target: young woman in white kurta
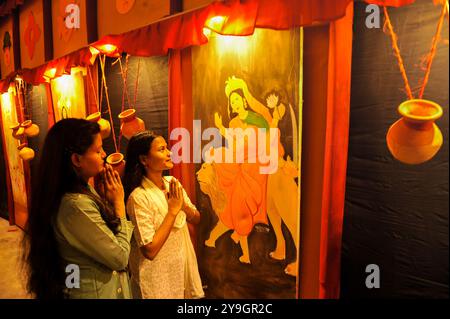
(162, 260)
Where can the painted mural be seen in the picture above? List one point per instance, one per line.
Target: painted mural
(16, 166)
(68, 96)
(247, 88)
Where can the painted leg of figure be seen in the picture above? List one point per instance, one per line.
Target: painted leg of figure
(275, 219)
(245, 258)
(292, 268)
(235, 237)
(218, 231)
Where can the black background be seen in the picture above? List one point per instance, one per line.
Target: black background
(396, 215)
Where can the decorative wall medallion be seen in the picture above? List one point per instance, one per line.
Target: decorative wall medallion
(7, 48)
(31, 35)
(124, 6)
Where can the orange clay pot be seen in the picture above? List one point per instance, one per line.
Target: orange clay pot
(17, 131)
(31, 130)
(105, 127)
(130, 123)
(116, 160)
(25, 153)
(415, 138)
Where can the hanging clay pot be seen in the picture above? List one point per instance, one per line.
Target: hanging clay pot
(130, 123)
(415, 138)
(116, 160)
(25, 153)
(105, 127)
(17, 131)
(31, 130)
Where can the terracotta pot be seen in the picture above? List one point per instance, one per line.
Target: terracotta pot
(25, 153)
(116, 160)
(105, 127)
(415, 138)
(18, 132)
(130, 123)
(31, 130)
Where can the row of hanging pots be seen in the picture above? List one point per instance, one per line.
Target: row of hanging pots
(415, 138)
(131, 124)
(21, 130)
(26, 128)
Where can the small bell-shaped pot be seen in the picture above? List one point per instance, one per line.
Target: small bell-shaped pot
(18, 132)
(116, 160)
(105, 127)
(415, 138)
(131, 124)
(31, 129)
(25, 153)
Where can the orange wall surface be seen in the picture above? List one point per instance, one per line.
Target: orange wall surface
(66, 41)
(141, 13)
(193, 4)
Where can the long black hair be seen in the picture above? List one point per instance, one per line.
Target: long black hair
(56, 176)
(139, 144)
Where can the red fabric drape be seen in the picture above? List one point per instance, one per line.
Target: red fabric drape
(239, 18)
(181, 115)
(284, 14)
(390, 3)
(177, 32)
(63, 65)
(335, 160)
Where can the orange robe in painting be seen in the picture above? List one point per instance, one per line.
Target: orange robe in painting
(244, 187)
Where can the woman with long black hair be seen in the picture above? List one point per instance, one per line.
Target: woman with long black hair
(73, 228)
(163, 264)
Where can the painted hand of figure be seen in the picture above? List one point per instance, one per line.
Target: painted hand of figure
(175, 197)
(113, 188)
(218, 120)
(279, 112)
(272, 101)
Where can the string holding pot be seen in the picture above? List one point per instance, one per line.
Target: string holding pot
(415, 138)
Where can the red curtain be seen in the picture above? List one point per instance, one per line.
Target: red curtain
(181, 115)
(390, 3)
(239, 18)
(336, 146)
